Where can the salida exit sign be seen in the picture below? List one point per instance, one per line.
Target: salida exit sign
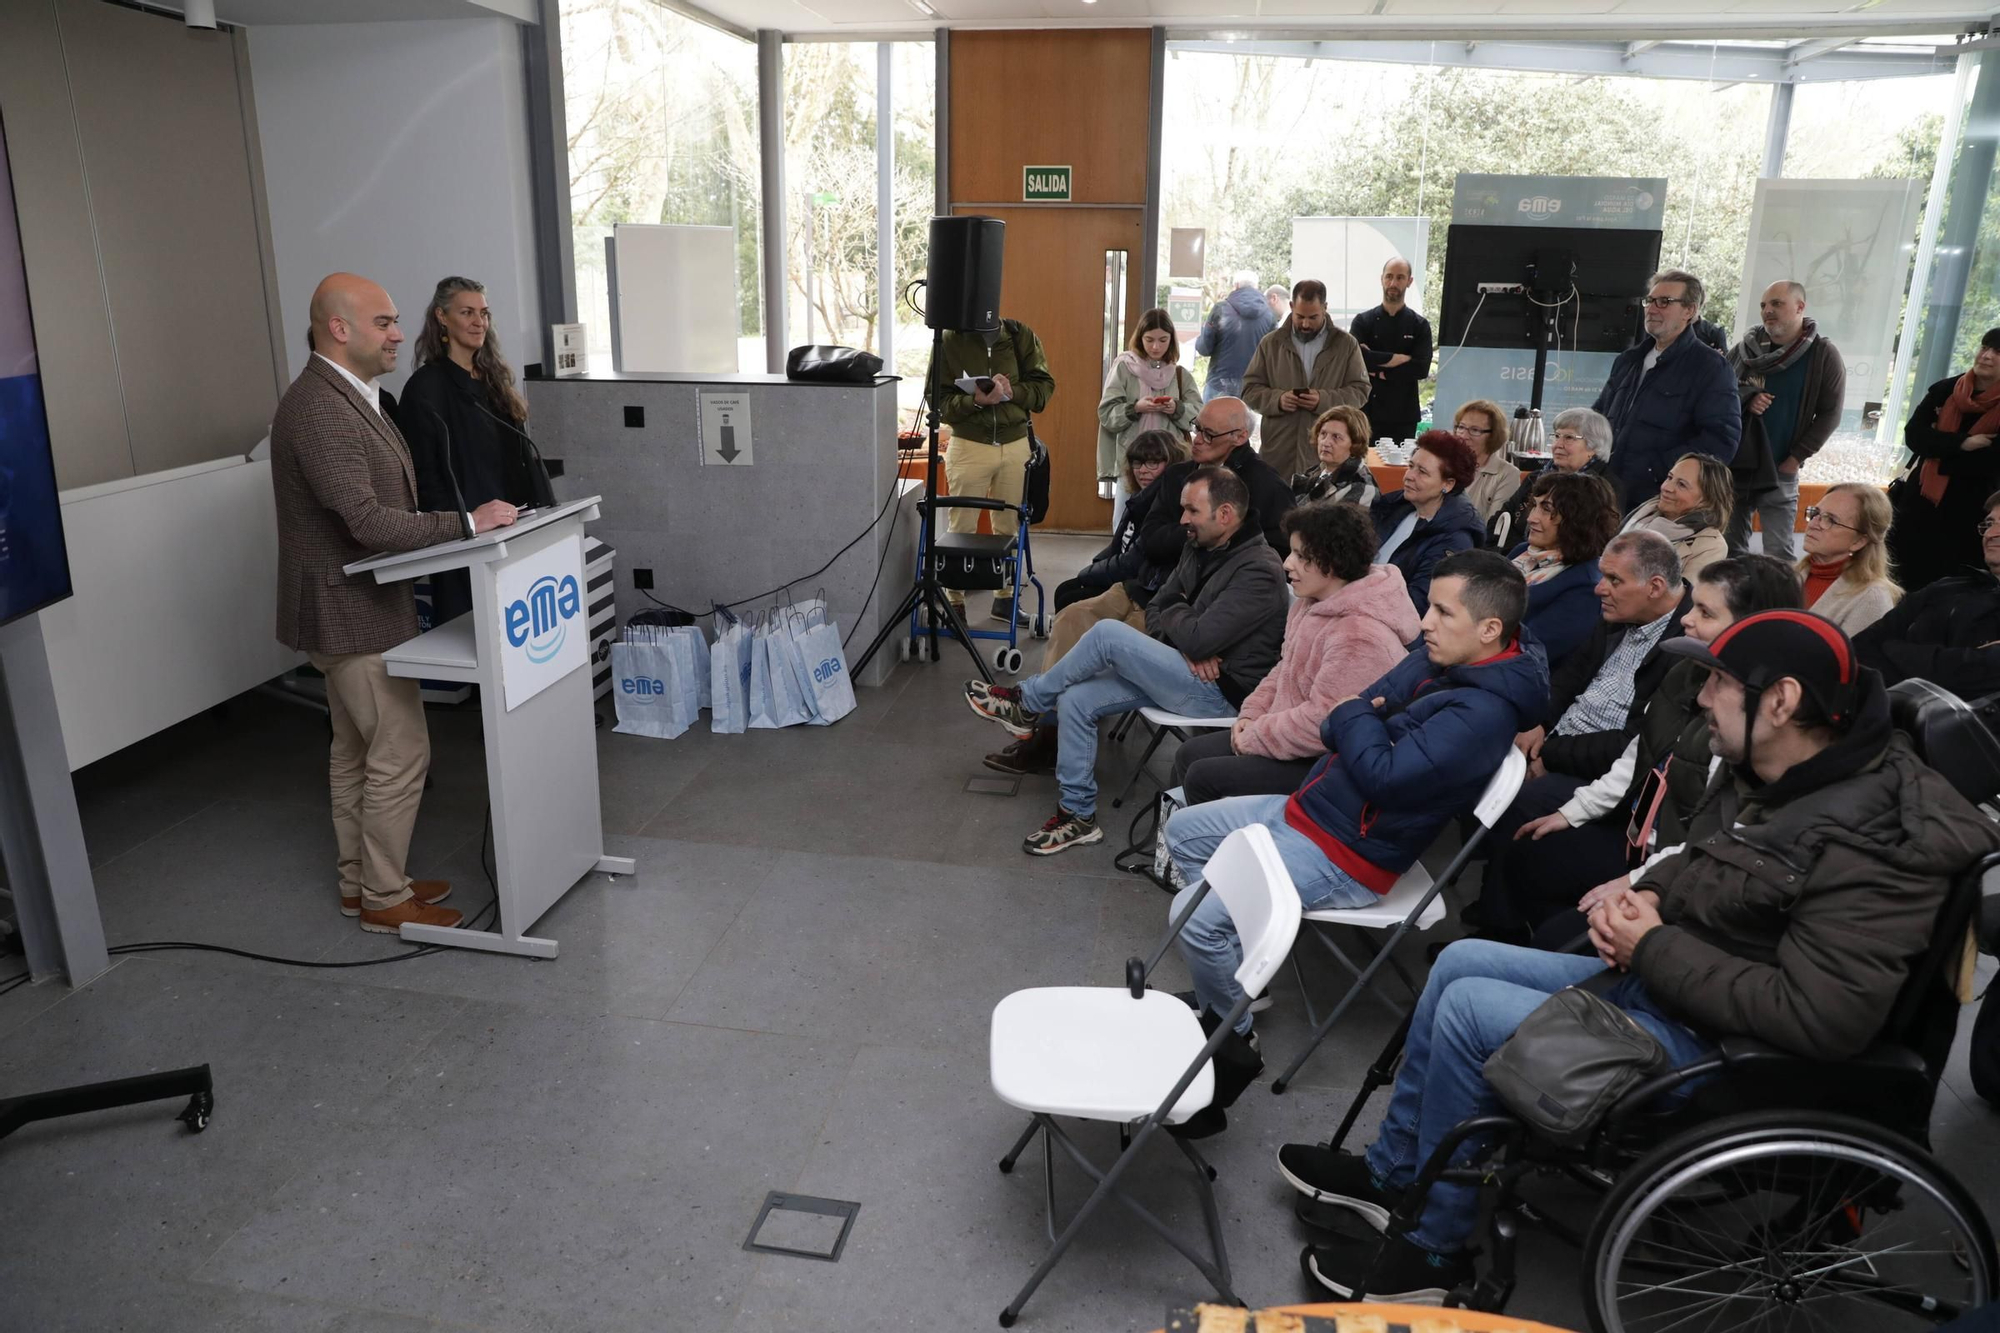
(1044, 184)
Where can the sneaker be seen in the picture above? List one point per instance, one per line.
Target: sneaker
(1005, 610)
(391, 920)
(1257, 1006)
(1390, 1270)
(1002, 704)
(1340, 1178)
(1035, 755)
(1063, 831)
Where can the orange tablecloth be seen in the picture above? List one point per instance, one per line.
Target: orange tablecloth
(1471, 1320)
(1390, 478)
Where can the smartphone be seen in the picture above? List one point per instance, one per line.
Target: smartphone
(985, 384)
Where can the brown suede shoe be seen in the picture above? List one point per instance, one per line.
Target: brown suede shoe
(390, 920)
(1037, 754)
(427, 891)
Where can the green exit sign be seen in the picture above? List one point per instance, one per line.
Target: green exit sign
(1045, 184)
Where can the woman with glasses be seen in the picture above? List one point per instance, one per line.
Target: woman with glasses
(1147, 390)
(1481, 424)
(1939, 498)
(1570, 517)
(1691, 511)
(1579, 441)
(1150, 453)
(1846, 565)
(1340, 439)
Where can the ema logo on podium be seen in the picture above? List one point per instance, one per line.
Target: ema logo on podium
(537, 597)
(539, 622)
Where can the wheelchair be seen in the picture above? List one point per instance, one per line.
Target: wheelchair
(1755, 1188)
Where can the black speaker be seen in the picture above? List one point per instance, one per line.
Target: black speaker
(962, 284)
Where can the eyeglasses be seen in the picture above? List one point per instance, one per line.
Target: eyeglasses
(1213, 435)
(1984, 525)
(1568, 437)
(1661, 302)
(1462, 429)
(1814, 514)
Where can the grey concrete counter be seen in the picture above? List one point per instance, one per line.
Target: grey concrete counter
(821, 462)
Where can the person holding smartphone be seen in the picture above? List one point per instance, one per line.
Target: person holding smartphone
(1147, 389)
(988, 454)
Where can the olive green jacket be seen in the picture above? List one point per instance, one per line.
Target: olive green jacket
(1017, 354)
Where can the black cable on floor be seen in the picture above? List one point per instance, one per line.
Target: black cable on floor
(161, 946)
(13, 982)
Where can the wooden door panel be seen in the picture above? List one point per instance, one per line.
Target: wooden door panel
(1052, 280)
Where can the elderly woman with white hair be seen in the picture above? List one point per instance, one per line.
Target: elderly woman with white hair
(1580, 441)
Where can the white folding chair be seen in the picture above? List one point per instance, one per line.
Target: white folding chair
(1130, 1055)
(1166, 724)
(1414, 902)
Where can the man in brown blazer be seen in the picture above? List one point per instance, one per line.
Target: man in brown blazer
(345, 491)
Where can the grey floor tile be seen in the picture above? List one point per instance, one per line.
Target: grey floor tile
(570, 1173)
(871, 949)
(129, 1198)
(251, 874)
(629, 945)
(171, 1306)
(951, 1237)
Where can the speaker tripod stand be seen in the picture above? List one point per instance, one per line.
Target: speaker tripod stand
(927, 594)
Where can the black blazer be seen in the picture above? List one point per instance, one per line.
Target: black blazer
(1591, 755)
(442, 403)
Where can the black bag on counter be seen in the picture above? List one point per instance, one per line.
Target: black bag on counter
(832, 365)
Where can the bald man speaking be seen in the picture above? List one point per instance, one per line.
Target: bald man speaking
(345, 491)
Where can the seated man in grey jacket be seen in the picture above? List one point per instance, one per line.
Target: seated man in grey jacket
(1213, 630)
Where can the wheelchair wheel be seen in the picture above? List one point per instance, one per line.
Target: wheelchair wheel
(1786, 1220)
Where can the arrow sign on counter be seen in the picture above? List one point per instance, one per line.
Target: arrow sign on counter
(725, 429)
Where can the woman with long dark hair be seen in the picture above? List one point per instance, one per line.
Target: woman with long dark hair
(462, 417)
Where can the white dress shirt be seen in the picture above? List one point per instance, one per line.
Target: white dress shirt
(370, 390)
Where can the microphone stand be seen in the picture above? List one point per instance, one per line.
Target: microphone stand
(538, 473)
(451, 473)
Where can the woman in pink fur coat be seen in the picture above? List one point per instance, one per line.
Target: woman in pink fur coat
(1350, 623)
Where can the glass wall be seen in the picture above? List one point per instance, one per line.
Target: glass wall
(1254, 141)
(832, 207)
(662, 119)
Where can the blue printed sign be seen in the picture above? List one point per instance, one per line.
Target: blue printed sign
(543, 633)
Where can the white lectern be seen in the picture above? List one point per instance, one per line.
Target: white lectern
(526, 645)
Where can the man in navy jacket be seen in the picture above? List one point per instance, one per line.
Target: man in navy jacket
(1409, 754)
(1668, 394)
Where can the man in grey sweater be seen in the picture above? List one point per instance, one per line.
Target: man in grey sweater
(1213, 630)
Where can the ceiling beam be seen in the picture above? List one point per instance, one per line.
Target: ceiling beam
(1801, 52)
(1633, 50)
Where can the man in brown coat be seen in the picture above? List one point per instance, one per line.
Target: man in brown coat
(1303, 367)
(346, 490)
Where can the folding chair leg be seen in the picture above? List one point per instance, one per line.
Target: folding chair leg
(1326, 1025)
(1124, 726)
(1144, 759)
(1020, 1146)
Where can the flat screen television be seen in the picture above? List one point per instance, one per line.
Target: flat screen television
(1607, 268)
(34, 563)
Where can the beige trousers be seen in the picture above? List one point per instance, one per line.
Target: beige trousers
(1075, 620)
(381, 752)
(978, 471)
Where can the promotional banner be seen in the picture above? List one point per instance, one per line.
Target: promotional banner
(543, 633)
(1849, 244)
(1506, 375)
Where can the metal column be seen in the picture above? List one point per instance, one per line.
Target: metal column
(885, 207)
(941, 127)
(41, 836)
(548, 161)
(1156, 105)
(1971, 181)
(1777, 129)
(771, 149)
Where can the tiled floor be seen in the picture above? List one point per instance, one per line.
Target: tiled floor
(791, 995)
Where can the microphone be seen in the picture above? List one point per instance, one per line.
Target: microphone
(464, 514)
(538, 472)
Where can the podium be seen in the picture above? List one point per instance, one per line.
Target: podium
(526, 645)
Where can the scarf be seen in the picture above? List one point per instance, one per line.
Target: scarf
(1648, 518)
(1159, 377)
(1962, 403)
(1539, 566)
(1757, 357)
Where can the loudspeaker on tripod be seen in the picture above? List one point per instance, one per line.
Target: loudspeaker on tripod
(962, 281)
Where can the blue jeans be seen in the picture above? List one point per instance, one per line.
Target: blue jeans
(1209, 941)
(1113, 669)
(1477, 994)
